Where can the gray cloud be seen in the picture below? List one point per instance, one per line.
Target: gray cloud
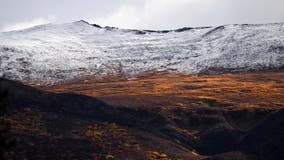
(150, 14)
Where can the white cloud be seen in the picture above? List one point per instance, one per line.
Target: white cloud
(161, 14)
(170, 14)
(25, 24)
(127, 16)
(142, 14)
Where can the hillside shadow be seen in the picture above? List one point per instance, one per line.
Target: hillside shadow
(211, 138)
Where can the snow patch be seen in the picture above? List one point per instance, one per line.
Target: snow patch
(56, 52)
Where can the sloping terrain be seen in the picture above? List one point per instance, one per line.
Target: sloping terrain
(95, 92)
(170, 121)
(259, 89)
(69, 126)
(51, 53)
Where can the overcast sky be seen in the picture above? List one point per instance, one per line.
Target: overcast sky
(141, 14)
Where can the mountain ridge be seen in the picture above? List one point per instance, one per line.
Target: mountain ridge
(153, 30)
(58, 52)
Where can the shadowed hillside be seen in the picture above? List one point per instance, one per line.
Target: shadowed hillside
(6, 140)
(70, 126)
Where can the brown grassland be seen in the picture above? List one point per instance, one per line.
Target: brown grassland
(157, 116)
(245, 90)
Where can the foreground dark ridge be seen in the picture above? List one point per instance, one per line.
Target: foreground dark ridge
(57, 126)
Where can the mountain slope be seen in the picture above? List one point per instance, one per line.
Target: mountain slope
(55, 52)
(70, 126)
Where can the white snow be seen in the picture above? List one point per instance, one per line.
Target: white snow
(56, 52)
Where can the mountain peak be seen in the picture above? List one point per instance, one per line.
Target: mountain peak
(85, 22)
(70, 50)
(82, 21)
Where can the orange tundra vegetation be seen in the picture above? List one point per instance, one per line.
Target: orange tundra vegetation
(249, 90)
(157, 116)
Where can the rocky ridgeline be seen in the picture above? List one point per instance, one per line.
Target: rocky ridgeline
(55, 52)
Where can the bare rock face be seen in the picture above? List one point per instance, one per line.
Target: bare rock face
(56, 52)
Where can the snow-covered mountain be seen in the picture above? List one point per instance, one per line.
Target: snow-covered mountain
(55, 52)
